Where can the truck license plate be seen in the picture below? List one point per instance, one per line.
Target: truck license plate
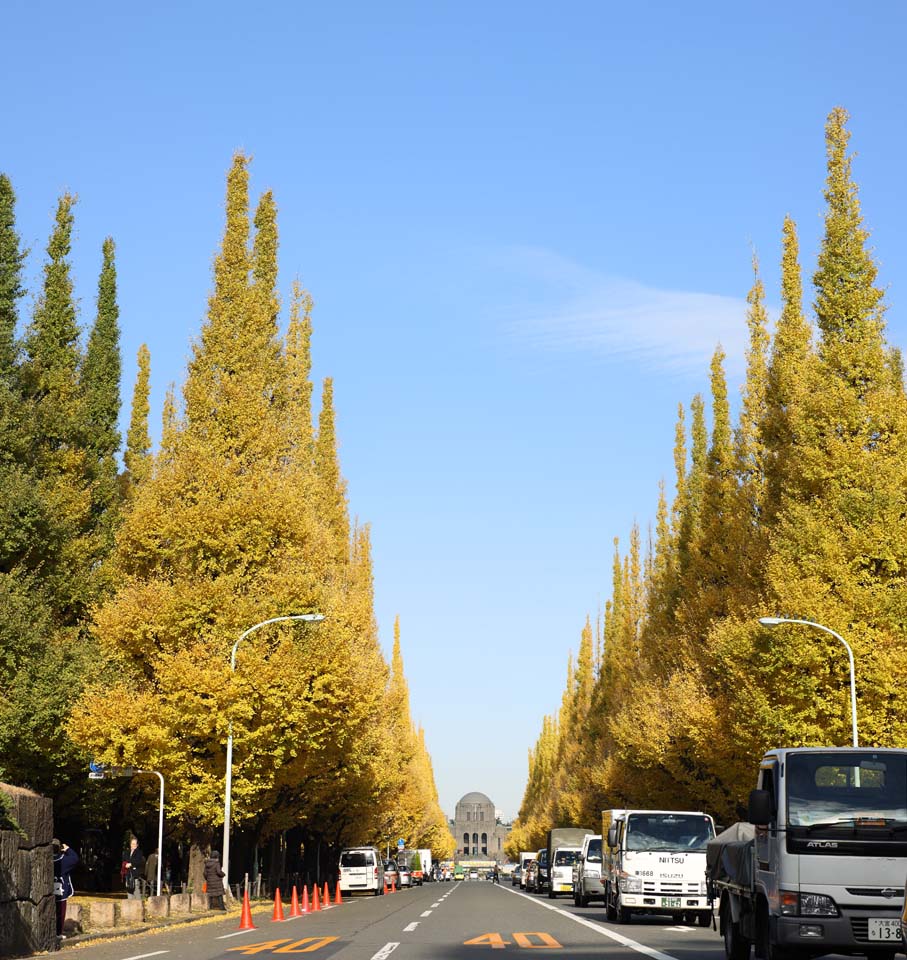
(888, 931)
(671, 902)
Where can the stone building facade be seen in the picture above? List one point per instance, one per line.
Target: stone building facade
(479, 834)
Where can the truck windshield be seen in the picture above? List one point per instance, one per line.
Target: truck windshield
(594, 852)
(668, 831)
(565, 858)
(852, 789)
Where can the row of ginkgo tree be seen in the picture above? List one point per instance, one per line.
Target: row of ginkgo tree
(240, 516)
(797, 509)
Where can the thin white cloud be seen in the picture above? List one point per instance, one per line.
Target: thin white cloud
(576, 309)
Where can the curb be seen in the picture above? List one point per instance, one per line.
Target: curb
(114, 932)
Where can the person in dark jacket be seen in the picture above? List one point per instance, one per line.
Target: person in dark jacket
(134, 867)
(65, 859)
(214, 880)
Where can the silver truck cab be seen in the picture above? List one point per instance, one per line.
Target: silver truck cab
(830, 852)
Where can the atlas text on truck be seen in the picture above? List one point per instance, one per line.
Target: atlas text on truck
(655, 863)
(820, 866)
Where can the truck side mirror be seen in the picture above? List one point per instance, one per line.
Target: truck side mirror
(612, 835)
(759, 810)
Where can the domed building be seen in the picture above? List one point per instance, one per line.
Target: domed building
(478, 831)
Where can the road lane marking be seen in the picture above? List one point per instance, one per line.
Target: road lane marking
(411, 926)
(604, 931)
(427, 913)
(436, 904)
(141, 956)
(238, 933)
(386, 951)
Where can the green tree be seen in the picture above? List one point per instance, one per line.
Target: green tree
(100, 382)
(137, 456)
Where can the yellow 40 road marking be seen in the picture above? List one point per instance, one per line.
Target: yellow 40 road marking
(307, 945)
(497, 942)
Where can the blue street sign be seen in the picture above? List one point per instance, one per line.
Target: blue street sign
(400, 844)
(95, 767)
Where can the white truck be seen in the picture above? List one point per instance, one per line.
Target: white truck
(655, 863)
(526, 857)
(587, 872)
(564, 846)
(819, 868)
(420, 865)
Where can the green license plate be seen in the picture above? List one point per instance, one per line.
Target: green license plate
(670, 901)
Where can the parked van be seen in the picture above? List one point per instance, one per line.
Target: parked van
(361, 871)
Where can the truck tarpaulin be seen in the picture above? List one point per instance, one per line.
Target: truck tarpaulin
(729, 856)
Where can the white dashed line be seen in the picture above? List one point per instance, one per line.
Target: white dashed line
(435, 905)
(385, 951)
(227, 936)
(411, 926)
(604, 931)
(427, 913)
(142, 956)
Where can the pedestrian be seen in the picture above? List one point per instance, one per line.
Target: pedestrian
(133, 867)
(65, 858)
(151, 870)
(214, 879)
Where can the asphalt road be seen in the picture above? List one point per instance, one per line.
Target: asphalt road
(471, 920)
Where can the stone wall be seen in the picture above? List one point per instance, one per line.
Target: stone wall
(27, 907)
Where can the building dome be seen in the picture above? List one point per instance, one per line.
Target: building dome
(474, 797)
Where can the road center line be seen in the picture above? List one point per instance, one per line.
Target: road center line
(386, 951)
(427, 913)
(435, 905)
(412, 926)
(142, 956)
(604, 931)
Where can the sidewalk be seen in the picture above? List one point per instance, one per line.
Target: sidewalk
(151, 924)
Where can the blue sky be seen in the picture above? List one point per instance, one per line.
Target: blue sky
(525, 226)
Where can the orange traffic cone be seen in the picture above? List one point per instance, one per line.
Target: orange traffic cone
(316, 903)
(385, 885)
(326, 896)
(294, 904)
(338, 900)
(305, 900)
(245, 921)
(278, 907)
(393, 885)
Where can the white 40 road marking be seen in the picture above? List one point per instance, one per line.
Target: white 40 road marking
(604, 931)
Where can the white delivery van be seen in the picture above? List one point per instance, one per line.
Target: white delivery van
(361, 871)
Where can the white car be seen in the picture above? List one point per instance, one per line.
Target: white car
(406, 878)
(361, 871)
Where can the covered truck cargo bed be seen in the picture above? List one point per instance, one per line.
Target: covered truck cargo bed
(729, 857)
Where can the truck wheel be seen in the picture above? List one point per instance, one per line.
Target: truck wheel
(551, 893)
(610, 912)
(736, 946)
(767, 950)
(623, 913)
(705, 918)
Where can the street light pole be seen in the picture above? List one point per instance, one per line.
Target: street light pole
(228, 782)
(777, 621)
(160, 828)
